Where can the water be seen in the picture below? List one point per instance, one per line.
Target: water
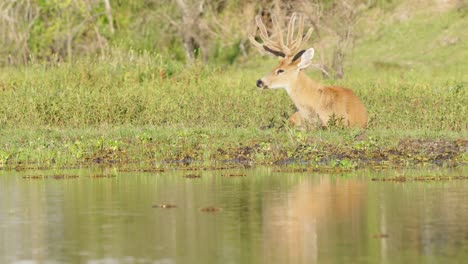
(262, 217)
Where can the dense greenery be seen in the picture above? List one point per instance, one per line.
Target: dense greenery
(146, 106)
(141, 90)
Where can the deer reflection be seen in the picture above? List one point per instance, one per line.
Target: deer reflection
(311, 212)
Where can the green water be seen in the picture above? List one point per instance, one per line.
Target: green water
(264, 217)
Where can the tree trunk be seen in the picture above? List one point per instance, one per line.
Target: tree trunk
(109, 15)
(191, 31)
(337, 64)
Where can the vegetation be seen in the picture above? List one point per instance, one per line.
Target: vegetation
(147, 107)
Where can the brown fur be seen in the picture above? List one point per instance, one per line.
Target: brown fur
(316, 104)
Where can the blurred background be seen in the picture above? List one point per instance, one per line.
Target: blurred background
(216, 31)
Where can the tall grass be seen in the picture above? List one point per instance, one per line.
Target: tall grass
(142, 103)
(146, 89)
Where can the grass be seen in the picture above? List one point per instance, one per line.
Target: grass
(212, 148)
(434, 43)
(144, 108)
(140, 92)
(130, 112)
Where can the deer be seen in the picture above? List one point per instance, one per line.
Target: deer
(316, 105)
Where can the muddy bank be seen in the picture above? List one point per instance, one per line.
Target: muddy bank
(318, 156)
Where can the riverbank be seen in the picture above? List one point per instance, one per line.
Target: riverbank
(97, 113)
(153, 148)
(145, 108)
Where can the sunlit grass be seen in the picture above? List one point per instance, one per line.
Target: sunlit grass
(144, 106)
(143, 93)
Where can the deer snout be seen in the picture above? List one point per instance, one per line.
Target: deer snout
(260, 83)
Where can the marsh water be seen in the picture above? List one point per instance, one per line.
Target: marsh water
(262, 215)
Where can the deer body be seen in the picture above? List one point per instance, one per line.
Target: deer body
(315, 103)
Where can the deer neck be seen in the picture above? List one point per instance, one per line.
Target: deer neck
(304, 92)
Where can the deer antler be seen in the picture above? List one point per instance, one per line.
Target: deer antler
(268, 44)
(278, 47)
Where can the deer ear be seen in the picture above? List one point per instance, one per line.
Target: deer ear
(306, 59)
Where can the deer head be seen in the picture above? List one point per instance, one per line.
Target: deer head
(291, 58)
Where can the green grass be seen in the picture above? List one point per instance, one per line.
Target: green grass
(142, 107)
(431, 42)
(129, 111)
(140, 92)
(205, 147)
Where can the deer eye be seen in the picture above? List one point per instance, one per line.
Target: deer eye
(279, 71)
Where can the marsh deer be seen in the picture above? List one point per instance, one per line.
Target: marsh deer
(316, 104)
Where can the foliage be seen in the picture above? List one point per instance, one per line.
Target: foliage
(114, 104)
(62, 30)
(147, 89)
